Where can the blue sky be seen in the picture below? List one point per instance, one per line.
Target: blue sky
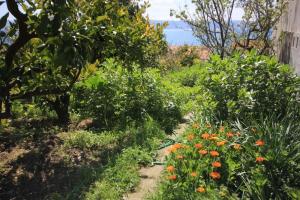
(160, 9)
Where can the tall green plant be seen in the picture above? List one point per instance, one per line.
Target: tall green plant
(251, 85)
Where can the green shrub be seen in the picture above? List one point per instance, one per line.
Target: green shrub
(115, 96)
(90, 140)
(250, 85)
(278, 177)
(183, 85)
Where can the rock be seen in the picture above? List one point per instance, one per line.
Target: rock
(85, 124)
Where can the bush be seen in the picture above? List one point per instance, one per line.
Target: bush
(183, 85)
(85, 140)
(115, 96)
(250, 85)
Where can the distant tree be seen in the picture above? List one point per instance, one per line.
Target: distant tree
(213, 25)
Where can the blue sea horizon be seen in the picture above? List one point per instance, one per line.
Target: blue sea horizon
(179, 33)
(179, 37)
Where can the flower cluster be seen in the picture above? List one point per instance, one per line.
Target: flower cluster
(204, 157)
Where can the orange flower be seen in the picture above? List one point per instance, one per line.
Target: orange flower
(177, 145)
(170, 168)
(200, 189)
(208, 125)
(193, 174)
(216, 164)
(205, 136)
(221, 129)
(215, 175)
(229, 134)
(237, 146)
(174, 148)
(203, 152)
(196, 126)
(179, 157)
(214, 153)
(198, 146)
(171, 150)
(260, 143)
(191, 136)
(172, 177)
(260, 159)
(222, 143)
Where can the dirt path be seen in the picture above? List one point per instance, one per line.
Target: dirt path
(150, 175)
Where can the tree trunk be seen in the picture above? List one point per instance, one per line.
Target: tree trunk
(61, 107)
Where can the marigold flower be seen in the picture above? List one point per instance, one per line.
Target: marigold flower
(177, 145)
(205, 136)
(200, 189)
(214, 153)
(191, 136)
(221, 129)
(179, 157)
(193, 174)
(222, 143)
(260, 143)
(170, 168)
(260, 159)
(237, 146)
(172, 177)
(216, 164)
(196, 126)
(215, 175)
(198, 146)
(229, 134)
(203, 152)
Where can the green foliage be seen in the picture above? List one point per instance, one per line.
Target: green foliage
(115, 96)
(241, 174)
(121, 31)
(85, 140)
(121, 176)
(278, 177)
(250, 85)
(183, 85)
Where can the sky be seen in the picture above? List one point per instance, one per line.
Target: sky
(160, 9)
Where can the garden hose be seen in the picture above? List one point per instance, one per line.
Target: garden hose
(166, 143)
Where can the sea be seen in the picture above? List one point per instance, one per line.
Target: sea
(178, 33)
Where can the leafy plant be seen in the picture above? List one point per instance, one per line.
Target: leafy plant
(250, 85)
(115, 96)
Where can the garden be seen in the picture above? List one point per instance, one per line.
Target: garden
(90, 94)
